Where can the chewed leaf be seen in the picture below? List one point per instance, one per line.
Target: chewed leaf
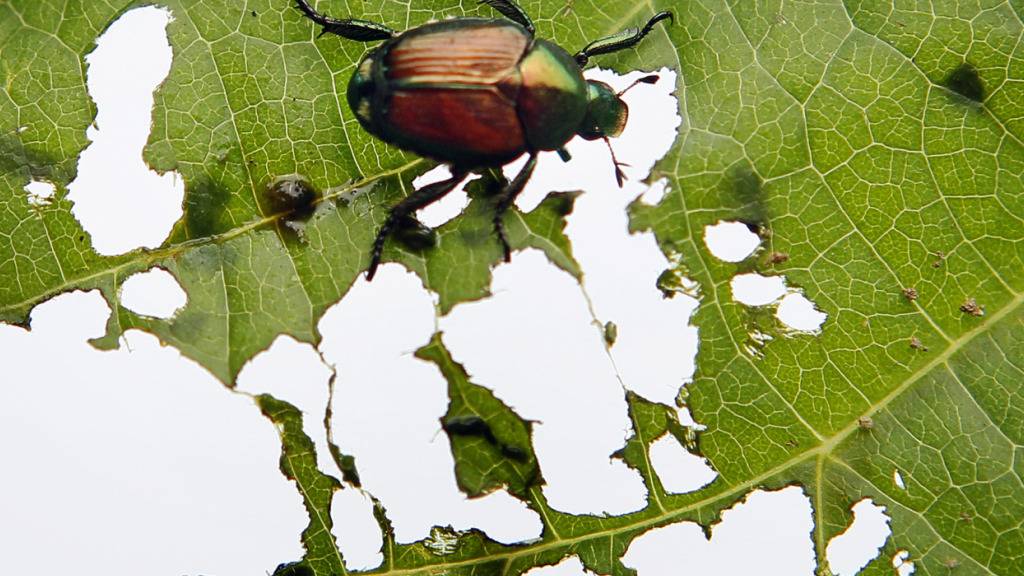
(872, 153)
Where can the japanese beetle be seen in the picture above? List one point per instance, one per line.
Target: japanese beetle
(477, 93)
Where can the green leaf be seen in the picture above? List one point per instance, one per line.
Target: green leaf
(298, 463)
(878, 145)
(490, 442)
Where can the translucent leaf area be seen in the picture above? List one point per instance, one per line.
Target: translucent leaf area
(875, 148)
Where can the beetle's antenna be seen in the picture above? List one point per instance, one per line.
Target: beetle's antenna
(620, 176)
(651, 79)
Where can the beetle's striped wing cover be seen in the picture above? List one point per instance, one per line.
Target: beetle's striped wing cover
(453, 88)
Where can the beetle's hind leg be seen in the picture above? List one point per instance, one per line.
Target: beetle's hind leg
(402, 211)
(359, 30)
(513, 12)
(505, 199)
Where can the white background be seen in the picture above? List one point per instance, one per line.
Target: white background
(138, 461)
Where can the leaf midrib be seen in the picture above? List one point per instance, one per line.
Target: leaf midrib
(142, 257)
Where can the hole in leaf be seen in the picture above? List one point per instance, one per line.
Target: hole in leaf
(71, 317)
(370, 337)
(861, 542)
(533, 343)
(446, 208)
(766, 533)
(902, 564)
(292, 371)
(356, 530)
(166, 463)
(757, 290)
(40, 193)
(153, 293)
(897, 479)
(655, 192)
(130, 60)
(799, 313)
(571, 566)
(731, 241)
(621, 269)
(679, 470)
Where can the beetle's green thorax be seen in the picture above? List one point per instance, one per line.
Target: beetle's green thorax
(606, 113)
(552, 99)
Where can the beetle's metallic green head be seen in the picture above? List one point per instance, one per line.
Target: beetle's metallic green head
(606, 116)
(606, 113)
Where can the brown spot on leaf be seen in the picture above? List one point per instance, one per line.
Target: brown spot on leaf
(910, 293)
(865, 423)
(970, 306)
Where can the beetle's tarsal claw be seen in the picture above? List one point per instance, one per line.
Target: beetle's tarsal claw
(620, 176)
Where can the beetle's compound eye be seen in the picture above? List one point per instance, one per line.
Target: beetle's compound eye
(361, 88)
(606, 113)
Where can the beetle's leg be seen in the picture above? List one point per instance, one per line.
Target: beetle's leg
(625, 39)
(505, 199)
(404, 209)
(360, 30)
(564, 154)
(513, 12)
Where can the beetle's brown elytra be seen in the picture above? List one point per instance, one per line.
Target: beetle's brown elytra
(477, 93)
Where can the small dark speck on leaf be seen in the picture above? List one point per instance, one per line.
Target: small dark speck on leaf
(970, 306)
(916, 344)
(81, 238)
(777, 258)
(910, 293)
(965, 81)
(865, 423)
(939, 258)
(253, 13)
(966, 517)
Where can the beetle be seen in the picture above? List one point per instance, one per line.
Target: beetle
(477, 93)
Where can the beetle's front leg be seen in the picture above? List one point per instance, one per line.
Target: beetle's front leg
(505, 199)
(403, 210)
